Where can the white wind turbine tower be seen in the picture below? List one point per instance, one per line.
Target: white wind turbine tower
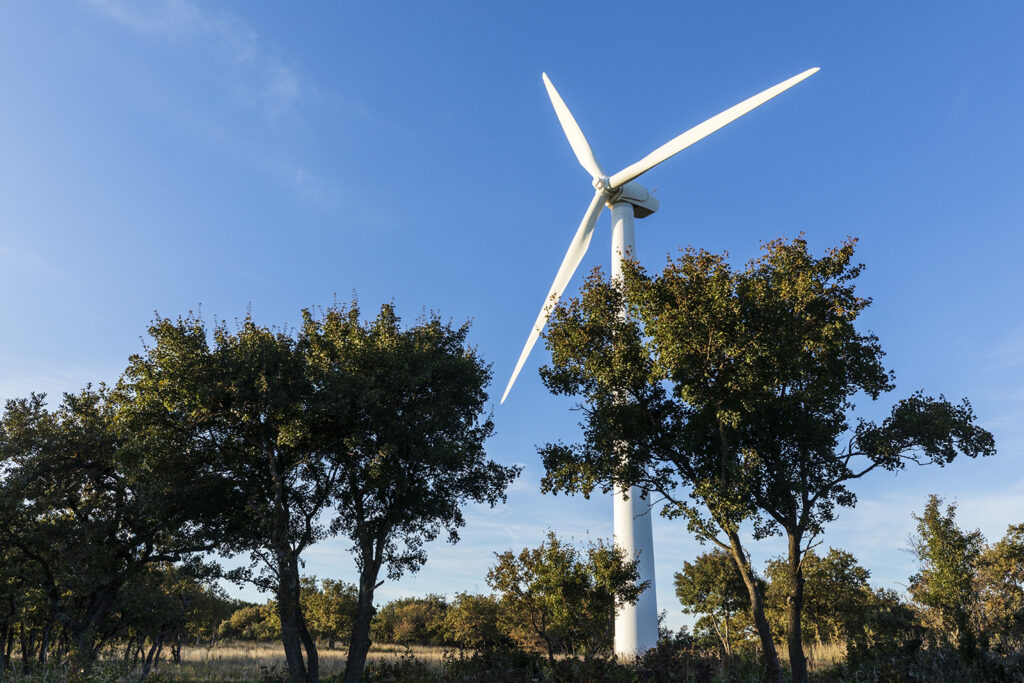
(636, 626)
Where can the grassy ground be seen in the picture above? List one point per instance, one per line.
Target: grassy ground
(253, 661)
(264, 663)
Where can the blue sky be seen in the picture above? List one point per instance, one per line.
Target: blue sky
(175, 155)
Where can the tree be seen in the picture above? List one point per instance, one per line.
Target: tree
(91, 505)
(330, 608)
(711, 587)
(410, 446)
(727, 392)
(411, 621)
(378, 425)
(253, 622)
(945, 583)
(1000, 578)
(244, 401)
(889, 626)
(565, 599)
(837, 597)
(472, 621)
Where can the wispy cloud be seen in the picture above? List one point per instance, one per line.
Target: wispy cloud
(250, 73)
(177, 19)
(277, 86)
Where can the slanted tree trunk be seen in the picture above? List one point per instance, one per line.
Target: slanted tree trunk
(794, 609)
(151, 657)
(771, 659)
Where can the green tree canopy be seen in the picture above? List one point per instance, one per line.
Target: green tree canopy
(330, 608)
(472, 621)
(729, 391)
(363, 429)
(837, 597)
(89, 505)
(243, 399)
(1001, 589)
(411, 621)
(562, 597)
(945, 583)
(411, 441)
(711, 587)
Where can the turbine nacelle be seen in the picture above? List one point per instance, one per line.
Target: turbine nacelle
(643, 200)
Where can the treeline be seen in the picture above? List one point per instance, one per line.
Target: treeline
(555, 599)
(726, 393)
(967, 596)
(964, 602)
(162, 606)
(239, 441)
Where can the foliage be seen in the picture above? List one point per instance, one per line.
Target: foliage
(89, 505)
(411, 440)
(472, 621)
(330, 608)
(1000, 580)
(561, 597)
(837, 597)
(411, 621)
(945, 583)
(711, 587)
(252, 622)
(727, 392)
(971, 594)
(244, 401)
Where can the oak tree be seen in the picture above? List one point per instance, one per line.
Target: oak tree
(88, 504)
(729, 393)
(711, 587)
(401, 412)
(562, 597)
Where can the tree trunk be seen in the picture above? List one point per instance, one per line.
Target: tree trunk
(764, 632)
(44, 645)
(359, 646)
(795, 606)
(4, 629)
(28, 648)
(294, 634)
(83, 632)
(9, 646)
(147, 664)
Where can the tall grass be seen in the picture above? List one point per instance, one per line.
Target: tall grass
(244, 661)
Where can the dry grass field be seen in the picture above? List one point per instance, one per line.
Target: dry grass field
(253, 661)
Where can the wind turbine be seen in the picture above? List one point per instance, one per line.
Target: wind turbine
(636, 626)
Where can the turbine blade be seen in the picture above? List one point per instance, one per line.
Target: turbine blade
(577, 248)
(577, 141)
(703, 130)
